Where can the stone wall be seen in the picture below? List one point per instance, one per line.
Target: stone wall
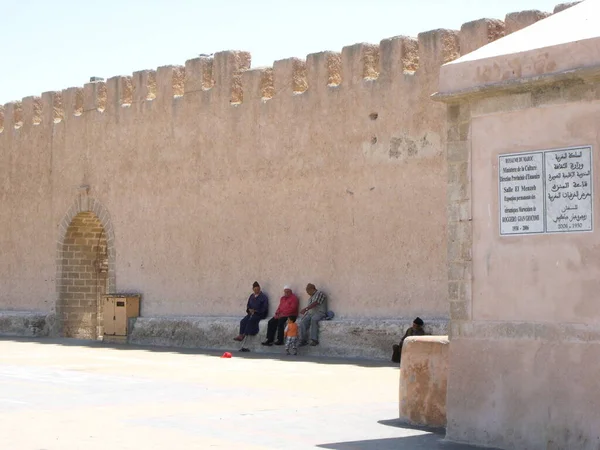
(328, 170)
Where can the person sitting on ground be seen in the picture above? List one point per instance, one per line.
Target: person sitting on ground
(415, 330)
(313, 314)
(288, 306)
(291, 336)
(256, 310)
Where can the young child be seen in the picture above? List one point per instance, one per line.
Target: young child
(291, 336)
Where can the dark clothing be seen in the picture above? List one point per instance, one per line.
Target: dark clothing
(259, 303)
(249, 324)
(397, 348)
(276, 325)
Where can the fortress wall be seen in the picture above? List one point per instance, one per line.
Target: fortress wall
(329, 170)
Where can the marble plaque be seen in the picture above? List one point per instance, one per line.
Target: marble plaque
(521, 183)
(569, 190)
(546, 191)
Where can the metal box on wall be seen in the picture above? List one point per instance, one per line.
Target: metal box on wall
(118, 309)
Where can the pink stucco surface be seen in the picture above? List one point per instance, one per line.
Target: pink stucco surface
(542, 278)
(336, 185)
(423, 380)
(524, 350)
(565, 41)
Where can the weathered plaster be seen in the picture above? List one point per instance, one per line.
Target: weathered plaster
(525, 340)
(424, 380)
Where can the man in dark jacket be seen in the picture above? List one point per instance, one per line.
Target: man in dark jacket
(415, 330)
(257, 309)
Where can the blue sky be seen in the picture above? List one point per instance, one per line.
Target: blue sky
(51, 45)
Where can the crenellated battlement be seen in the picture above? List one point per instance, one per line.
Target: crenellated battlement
(227, 79)
(329, 169)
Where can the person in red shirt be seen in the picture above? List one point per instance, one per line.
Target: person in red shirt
(288, 306)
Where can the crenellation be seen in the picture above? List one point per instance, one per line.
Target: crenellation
(126, 91)
(50, 107)
(169, 82)
(72, 99)
(478, 33)
(79, 102)
(18, 114)
(118, 93)
(323, 70)
(178, 81)
(398, 55)
(227, 69)
(258, 84)
(518, 20)
(113, 95)
(436, 48)
(208, 77)
(227, 74)
(32, 111)
(198, 74)
(290, 76)
(562, 6)
(9, 116)
(267, 86)
(140, 91)
(94, 96)
(359, 62)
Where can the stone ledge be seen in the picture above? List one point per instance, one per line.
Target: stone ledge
(361, 338)
(518, 86)
(25, 323)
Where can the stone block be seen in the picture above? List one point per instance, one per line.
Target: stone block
(460, 271)
(562, 6)
(459, 211)
(458, 151)
(424, 380)
(478, 33)
(24, 324)
(459, 310)
(518, 20)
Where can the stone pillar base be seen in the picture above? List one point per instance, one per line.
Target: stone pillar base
(423, 380)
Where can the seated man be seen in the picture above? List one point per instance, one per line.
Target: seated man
(288, 306)
(415, 330)
(256, 310)
(313, 314)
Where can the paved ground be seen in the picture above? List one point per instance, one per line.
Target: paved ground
(70, 395)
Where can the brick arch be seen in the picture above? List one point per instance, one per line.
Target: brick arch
(85, 234)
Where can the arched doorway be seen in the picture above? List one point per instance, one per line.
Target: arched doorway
(85, 269)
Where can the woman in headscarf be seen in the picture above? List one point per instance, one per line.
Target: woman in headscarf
(256, 310)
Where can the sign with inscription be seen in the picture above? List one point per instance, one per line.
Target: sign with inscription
(521, 193)
(569, 190)
(546, 191)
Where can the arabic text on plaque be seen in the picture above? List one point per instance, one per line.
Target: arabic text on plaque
(569, 190)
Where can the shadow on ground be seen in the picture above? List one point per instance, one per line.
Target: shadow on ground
(430, 439)
(70, 342)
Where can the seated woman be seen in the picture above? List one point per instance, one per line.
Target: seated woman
(256, 310)
(415, 330)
